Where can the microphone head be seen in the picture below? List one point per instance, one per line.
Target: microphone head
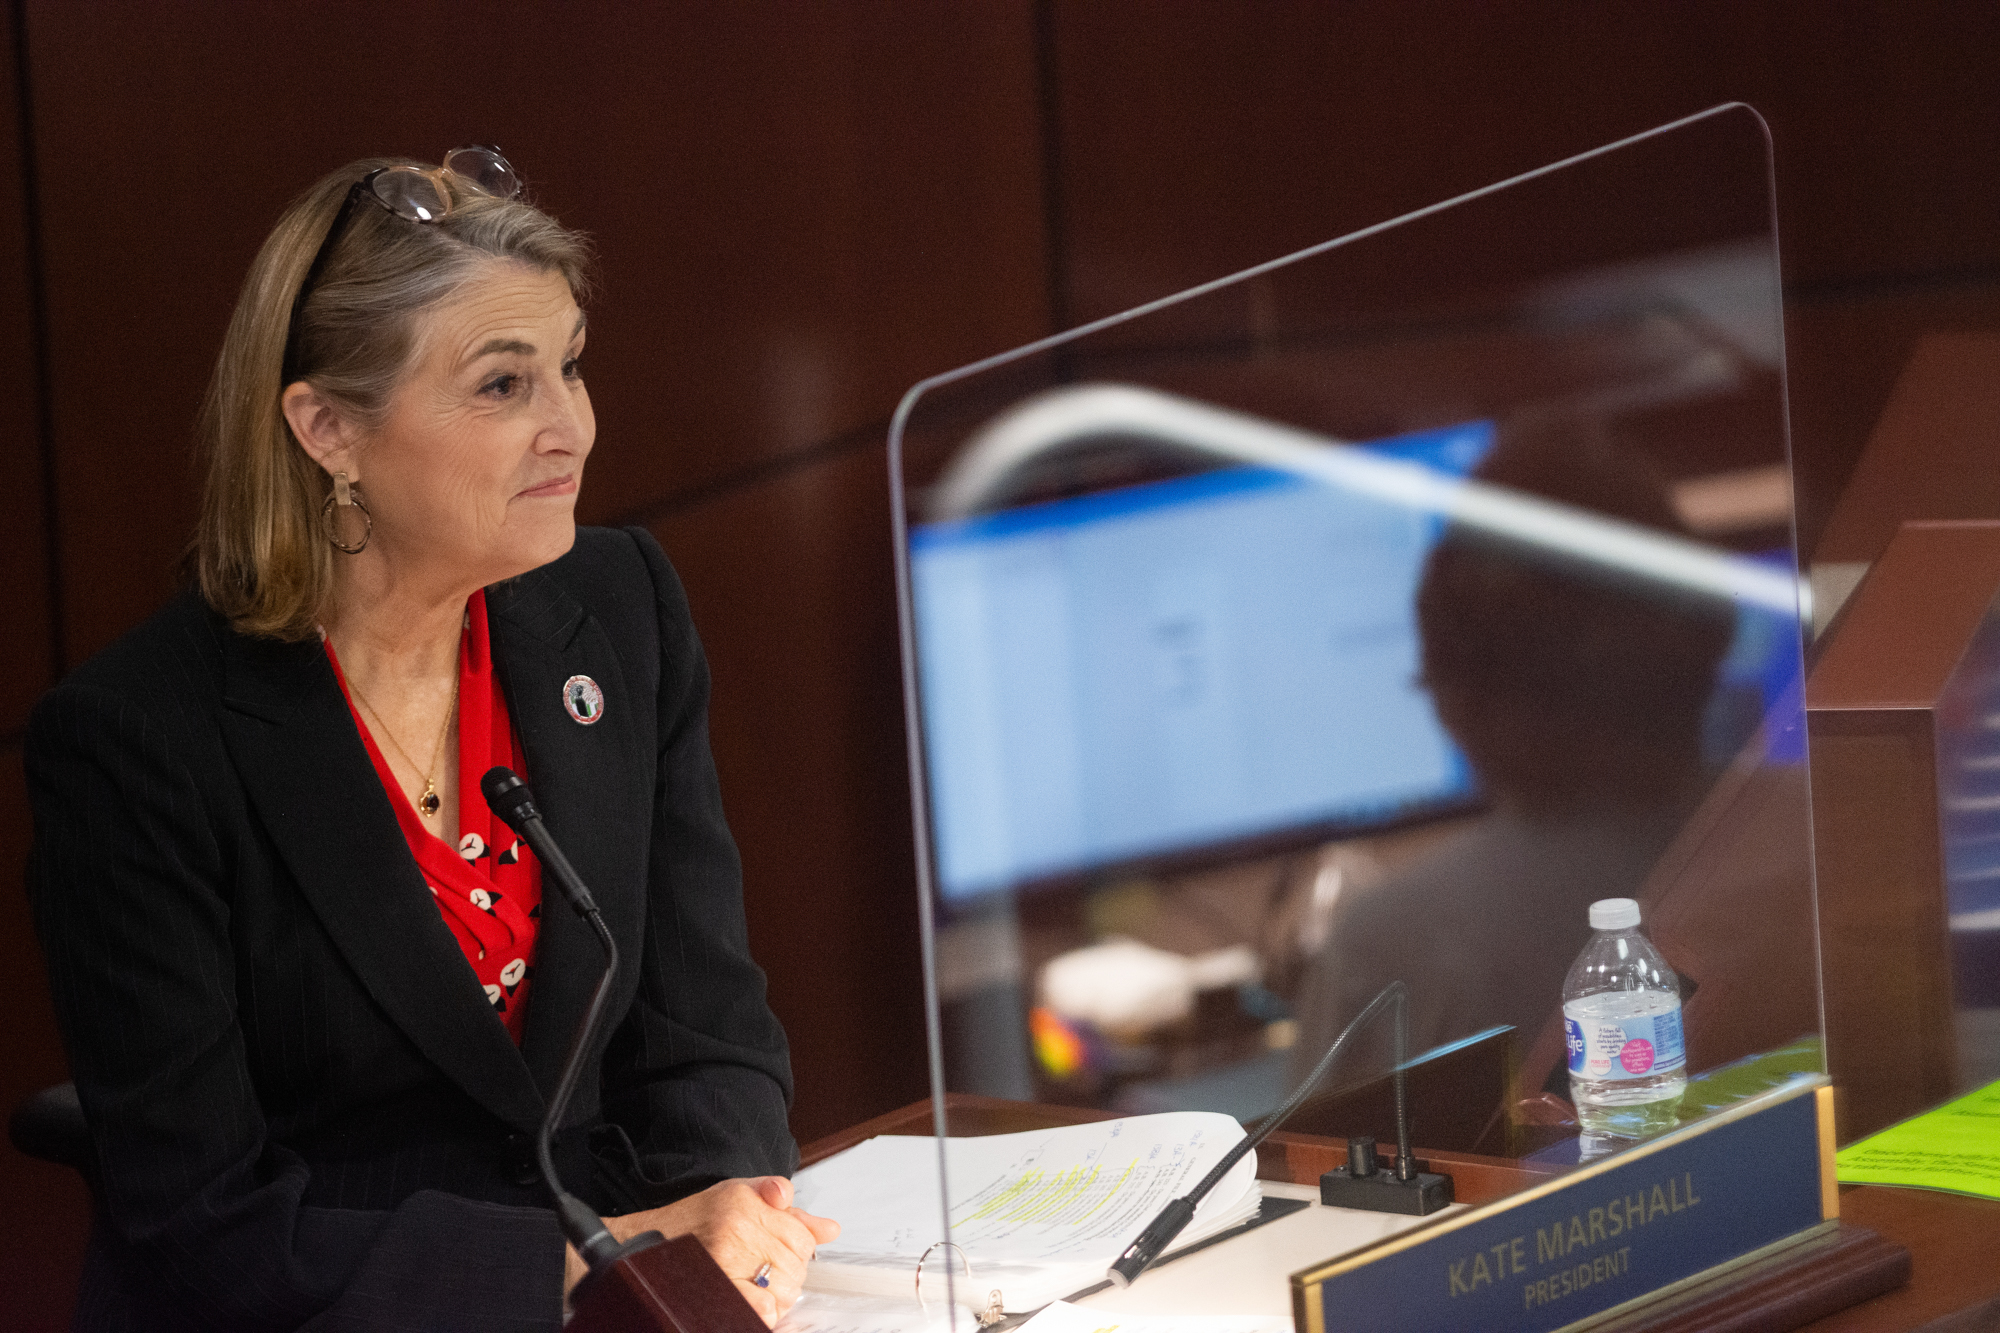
(508, 797)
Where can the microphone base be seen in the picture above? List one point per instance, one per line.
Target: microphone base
(1381, 1192)
(661, 1286)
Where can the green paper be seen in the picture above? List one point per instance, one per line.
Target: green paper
(1726, 1085)
(1955, 1147)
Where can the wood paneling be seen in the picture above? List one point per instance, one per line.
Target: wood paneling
(1844, 352)
(1900, 679)
(1935, 452)
(24, 603)
(800, 209)
(793, 593)
(43, 1224)
(1196, 140)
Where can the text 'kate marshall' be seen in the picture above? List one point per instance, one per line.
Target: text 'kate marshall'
(1559, 1241)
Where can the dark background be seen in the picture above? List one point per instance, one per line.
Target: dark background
(801, 209)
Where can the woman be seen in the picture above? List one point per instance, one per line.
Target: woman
(310, 996)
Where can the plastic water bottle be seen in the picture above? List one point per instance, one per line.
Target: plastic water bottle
(1622, 1013)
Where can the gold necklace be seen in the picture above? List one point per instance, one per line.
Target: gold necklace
(430, 800)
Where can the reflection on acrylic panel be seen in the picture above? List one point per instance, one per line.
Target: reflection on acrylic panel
(1968, 760)
(1140, 671)
(1364, 618)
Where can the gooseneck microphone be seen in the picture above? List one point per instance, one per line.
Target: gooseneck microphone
(1173, 1219)
(508, 797)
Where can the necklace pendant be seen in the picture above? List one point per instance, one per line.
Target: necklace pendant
(429, 801)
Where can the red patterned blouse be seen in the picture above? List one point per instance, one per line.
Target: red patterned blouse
(489, 887)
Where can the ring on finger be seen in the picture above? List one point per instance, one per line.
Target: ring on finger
(762, 1277)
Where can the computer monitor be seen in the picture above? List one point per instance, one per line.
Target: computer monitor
(1205, 662)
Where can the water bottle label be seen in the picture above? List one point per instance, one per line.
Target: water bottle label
(1618, 1048)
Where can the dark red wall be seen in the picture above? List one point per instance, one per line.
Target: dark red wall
(43, 1209)
(1198, 138)
(802, 208)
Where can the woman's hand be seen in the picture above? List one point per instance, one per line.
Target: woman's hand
(743, 1224)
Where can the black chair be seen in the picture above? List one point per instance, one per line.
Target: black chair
(49, 1126)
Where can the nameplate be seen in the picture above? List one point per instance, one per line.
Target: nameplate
(1606, 1235)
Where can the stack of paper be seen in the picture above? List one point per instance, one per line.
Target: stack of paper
(845, 1312)
(1035, 1216)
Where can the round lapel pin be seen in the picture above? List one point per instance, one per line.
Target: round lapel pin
(582, 700)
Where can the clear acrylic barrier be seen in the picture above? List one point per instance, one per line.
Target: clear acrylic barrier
(1364, 617)
(1968, 768)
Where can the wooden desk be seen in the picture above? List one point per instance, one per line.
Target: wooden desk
(1955, 1242)
(1954, 1245)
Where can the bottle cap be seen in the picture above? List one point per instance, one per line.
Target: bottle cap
(1614, 914)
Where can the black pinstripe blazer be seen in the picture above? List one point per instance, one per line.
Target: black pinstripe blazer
(305, 1111)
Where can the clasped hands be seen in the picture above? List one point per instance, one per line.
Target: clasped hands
(744, 1225)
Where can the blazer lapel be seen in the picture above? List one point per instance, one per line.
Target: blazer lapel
(594, 786)
(302, 762)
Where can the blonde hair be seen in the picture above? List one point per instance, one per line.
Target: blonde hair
(260, 556)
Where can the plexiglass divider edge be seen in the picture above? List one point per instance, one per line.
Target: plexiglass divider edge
(1364, 616)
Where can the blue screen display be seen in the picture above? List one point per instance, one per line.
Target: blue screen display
(1176, 665)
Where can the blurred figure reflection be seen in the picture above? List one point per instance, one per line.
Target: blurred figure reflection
(1578, 695)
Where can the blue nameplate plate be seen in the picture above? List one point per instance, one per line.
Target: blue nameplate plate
(1648, 1218)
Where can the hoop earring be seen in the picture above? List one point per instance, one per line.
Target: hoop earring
(345, 497)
